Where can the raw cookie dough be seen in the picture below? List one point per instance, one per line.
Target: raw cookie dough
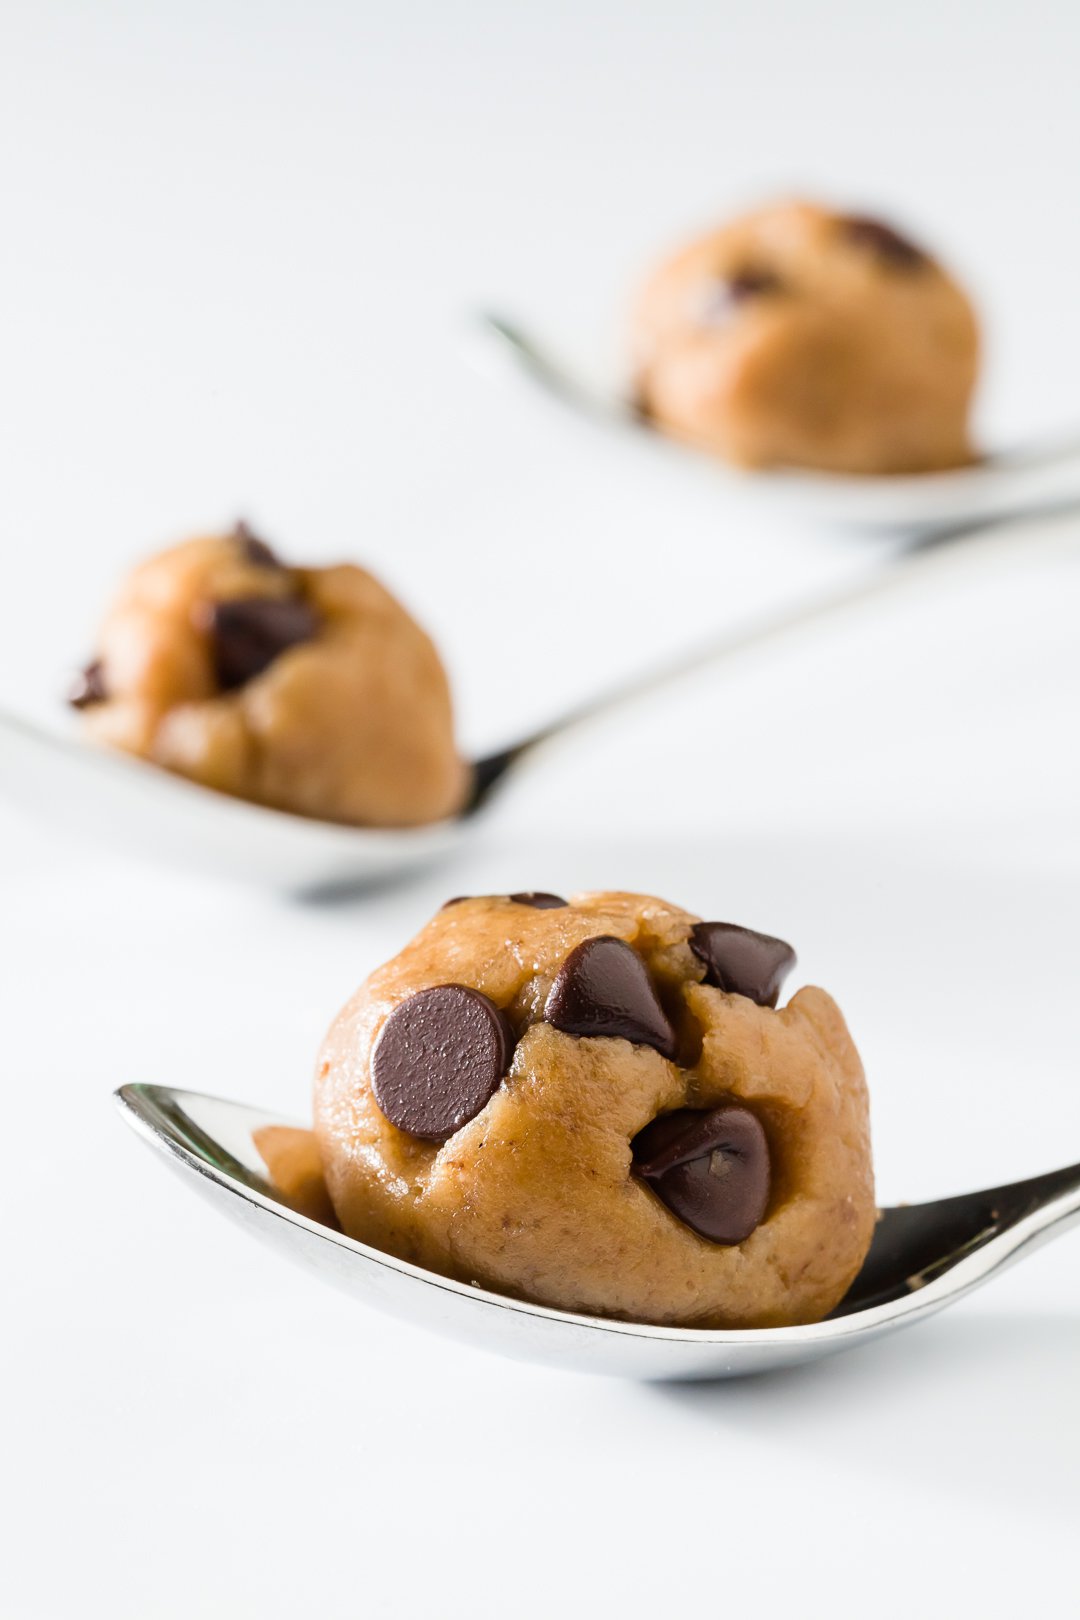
(306, 689)
(594, 1105)
(805, 338)
(294, 1170)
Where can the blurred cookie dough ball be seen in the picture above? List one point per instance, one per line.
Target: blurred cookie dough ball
(310, 690)
(595, 1105)
(800, 337)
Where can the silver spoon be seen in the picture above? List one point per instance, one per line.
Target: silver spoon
(923, 1257)
(1016, 480)
(141, 809)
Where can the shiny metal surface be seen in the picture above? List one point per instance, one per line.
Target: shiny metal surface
(923, 1258)
(1000, 483)
(122, 802)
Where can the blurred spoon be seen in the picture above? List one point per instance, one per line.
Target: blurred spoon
(1010, 481)
(139, 808)
(923, 1257)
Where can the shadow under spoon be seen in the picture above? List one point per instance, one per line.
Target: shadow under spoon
(1025, 478)
(117, 800)
(923, 1257)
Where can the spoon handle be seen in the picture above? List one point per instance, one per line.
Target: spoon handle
(916, 1243)
(990, 536)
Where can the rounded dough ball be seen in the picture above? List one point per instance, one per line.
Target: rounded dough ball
(800, 337)
(536, 1195)
(350, 722)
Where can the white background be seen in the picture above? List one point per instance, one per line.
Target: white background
(239, 246)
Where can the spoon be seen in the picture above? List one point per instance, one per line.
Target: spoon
(923, 1257)
(139, 808)
(1022, 479)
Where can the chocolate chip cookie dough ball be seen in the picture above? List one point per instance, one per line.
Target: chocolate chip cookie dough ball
(306, 689)
(596, 1105)
(804, 338)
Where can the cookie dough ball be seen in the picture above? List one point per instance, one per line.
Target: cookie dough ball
(306, 689)
(294, 1170)
(799, 337)
(595, 1105)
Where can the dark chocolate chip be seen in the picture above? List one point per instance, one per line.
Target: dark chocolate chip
(255, 550)
(751, 284)
(603, 988)
(88, 686)
(539, 900)
(439, 1058)
(726, 293)
(249, 632)
(711, 1169)
(741, 961)
(884, 241)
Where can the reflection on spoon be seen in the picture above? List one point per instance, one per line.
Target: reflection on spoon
(1024, 479)
(138, 808)
(923, 1257)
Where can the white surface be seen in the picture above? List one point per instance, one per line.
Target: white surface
(238, 240)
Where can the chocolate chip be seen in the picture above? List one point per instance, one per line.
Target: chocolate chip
(527, 897)
(439, 1058)
(249, 632)
(603, 988)
(88, 686)
(255, 551)
(741, 961)
(710, 1169)
(726, 293)
(884, 241)
(751, 284)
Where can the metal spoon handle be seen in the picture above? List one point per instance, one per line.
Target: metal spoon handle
(915, 1243)
(917, 558)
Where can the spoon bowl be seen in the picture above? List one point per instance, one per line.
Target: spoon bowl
(923, 1257)
(139, 808)
(1022, 479)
